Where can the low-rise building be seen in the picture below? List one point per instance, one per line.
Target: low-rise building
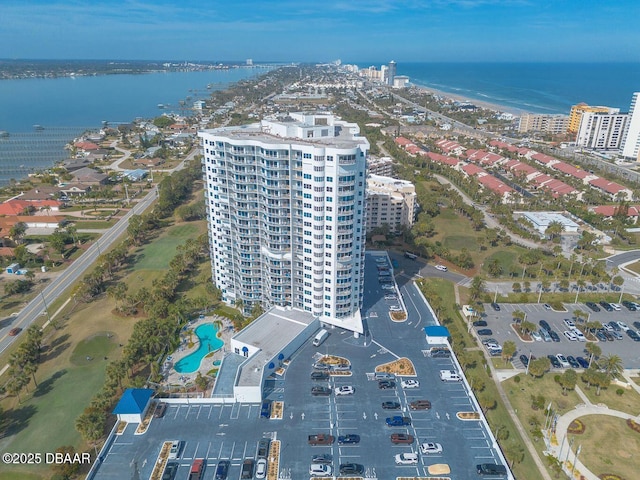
(542, 220)
(390, 202)
(380, 166)
(543, 123)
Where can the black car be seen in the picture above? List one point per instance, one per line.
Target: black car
(480, 323)
(615, 326)
(390, 405)
(351, 469)
(265, 410)
(544, 324)
(593, 306)
(555, 363)
(606, 306)
(491, 469)
(170, 471)
(320, 391)
(572, 361)
(601, 336)
(630, 305)
(608, 336)
(495, 306)
(583, 362)
(319, 375)
(222, 470)
(386, 384)
(554, 336)
(633, 335)
(525, 360)
(444, 353)
(323, 458)
(348, 439)
(636, 325)
(485, 332)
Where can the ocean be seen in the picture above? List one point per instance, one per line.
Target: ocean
(65, 107)
(534, 87)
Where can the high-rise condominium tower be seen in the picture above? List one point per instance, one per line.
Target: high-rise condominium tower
(286, 211)
(630, 147)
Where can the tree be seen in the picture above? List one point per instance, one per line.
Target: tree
(516, 287)
(477, 287)
(494, 268)
(611, 365)
(508, 350)
(518, 316)
(568, 380)
(527, 326)
(66, 470)
(514, 452)
(17, 231)
(539, 366)
(90, 424)
(594, 351)
(201, 382)
(580, 316)
(554, 230)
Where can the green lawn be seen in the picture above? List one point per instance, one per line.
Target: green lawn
(95, 224)
(458, 242)
(506, 259)
(634, 267)
(608, 446)
(157, 254)
(628, 402)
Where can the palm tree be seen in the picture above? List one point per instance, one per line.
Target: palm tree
(611, 365)
(508, 350)
(594, 351)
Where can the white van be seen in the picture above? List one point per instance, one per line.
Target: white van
(320, 337)
(449, 376)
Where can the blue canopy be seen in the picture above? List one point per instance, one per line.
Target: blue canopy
(133, 400)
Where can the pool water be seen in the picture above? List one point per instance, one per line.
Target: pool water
(209, 342)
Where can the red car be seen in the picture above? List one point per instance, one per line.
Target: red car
(14, 331)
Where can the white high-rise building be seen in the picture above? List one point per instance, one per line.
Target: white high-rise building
(600, 130)
(630, 147)
(286, 210)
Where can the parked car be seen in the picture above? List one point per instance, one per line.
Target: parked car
(572, 361)
(390, 406)
(401, 438)
(160, 409)
(606, 306)
(570, 335)
(174, 452)
(636, 325)
(430, 448)
(348, 439)
(554, 361)
(593, 306)
(633, 335)
(420, 405)
(320, 470)
(623, 326)
(397, 421)
(406, 459)
(546, 306)
(265, 409)
(261, 468)
(563, 361)
(170, 471)
(386, 384)
(616, 335)
(601, 336)
(525, 360)
(569, 323)
(325, 458)
(320, 391)
(544, 324)
(536, 336)
(351, 469)
(222, 470)
(554, 335)
(584, 363)
(491, 469)
(319, 375)
(631, 306)
(480, 323)
(485, 332)
(345, 390)
(615, 307)
(495, 306)
(410, 383)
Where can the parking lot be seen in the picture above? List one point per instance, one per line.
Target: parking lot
(499, 322)
(231, 432)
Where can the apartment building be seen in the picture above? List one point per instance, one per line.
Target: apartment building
(390, 202)
(286, 214)
(544, 123)
(575, 116)
(601, 130)
(630, 147)
(380, 166)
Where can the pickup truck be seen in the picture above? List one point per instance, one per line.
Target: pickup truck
(197, 469)
(321, 439)
(398, 421)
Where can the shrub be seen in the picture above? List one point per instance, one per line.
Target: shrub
(577, 427)
(517, 379)
(633, 425)
(620, 392)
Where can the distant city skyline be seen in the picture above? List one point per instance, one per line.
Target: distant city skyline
(321, 31)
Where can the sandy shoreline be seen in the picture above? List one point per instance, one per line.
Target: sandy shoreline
(480, 103)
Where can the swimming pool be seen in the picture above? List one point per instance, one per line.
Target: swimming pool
(209, 342)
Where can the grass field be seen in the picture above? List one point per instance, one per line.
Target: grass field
(157, 254)
(628, 402)
(621, 451)
(634, 267)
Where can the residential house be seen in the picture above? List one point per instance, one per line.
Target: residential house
(89, 176)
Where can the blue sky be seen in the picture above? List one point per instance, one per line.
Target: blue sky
(322, 30)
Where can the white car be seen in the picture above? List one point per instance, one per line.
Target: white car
(616, 307)
(261, 468)
(410, 383)
(563, 361)
(623, 326)
(607, 327)
(320, 470)
(391, 296)
(395, 308)
(536, 336)
(442, 268)
(407, 459)
(579, 335)
(569, 323)
(387, 286)
(345, 390)
(430, 448)
(570, 335)
(175, 449)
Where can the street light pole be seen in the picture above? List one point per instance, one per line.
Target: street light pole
(46, 309)
(573, 469)
(527, 369)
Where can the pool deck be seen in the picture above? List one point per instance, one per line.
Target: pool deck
(226, 331)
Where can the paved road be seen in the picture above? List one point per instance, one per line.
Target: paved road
(51, 292)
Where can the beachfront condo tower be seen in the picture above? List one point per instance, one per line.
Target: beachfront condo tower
(630, 147)
(286, 214)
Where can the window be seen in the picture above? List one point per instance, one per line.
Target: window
(307, 176)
